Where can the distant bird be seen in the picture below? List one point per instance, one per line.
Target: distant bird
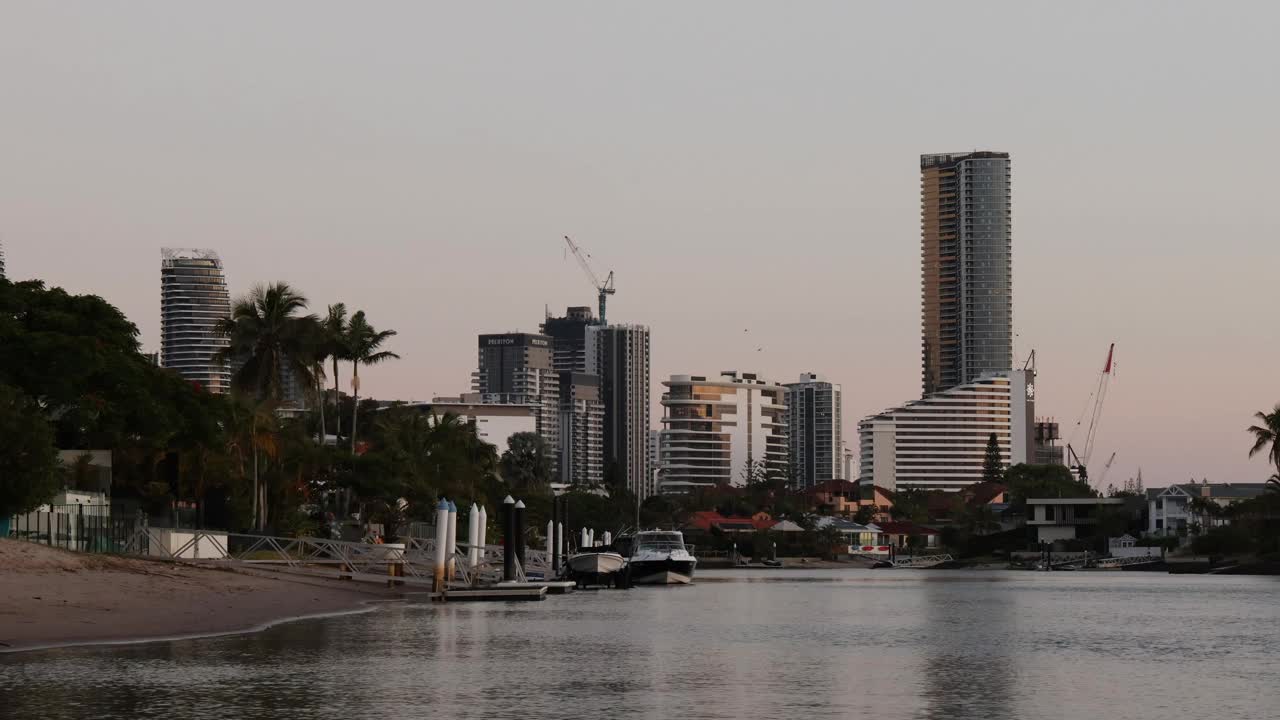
(759, 349)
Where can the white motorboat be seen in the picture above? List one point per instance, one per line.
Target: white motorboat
(659, 557)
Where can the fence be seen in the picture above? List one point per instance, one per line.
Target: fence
(72, 528)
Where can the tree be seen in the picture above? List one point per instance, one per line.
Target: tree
(527, 461)
(1265, 434)
(271, 340)
(911, 504)
(335, 331)
(29, 473)
(1043, 481)
(362, 345)
(992, 465)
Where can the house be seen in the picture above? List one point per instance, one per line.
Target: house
(707, 520)
(1066, 518)
(901, 534)
(1172, 510)
(851, 533)
(834, 496)
(879, 499)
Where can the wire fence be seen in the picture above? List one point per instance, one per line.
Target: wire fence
(82, 528)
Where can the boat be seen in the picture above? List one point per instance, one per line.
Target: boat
(595, 566)
(659, 557)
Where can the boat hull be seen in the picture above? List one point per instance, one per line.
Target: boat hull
(662, 572)
(596, 563)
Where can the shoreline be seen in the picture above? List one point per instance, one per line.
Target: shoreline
(52, 598)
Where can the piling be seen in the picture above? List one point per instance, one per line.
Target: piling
(584, 538)
(508, 539)
(442, 539)
(519, 532)
(451, 548)
(557, 532)
(608, 538)
(551, 525)
(484, 534)
(473, 537)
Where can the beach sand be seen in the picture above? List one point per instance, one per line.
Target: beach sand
(55, 597)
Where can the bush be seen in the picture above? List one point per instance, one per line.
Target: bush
(1227, 540)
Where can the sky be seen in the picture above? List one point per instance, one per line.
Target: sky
(749, 171)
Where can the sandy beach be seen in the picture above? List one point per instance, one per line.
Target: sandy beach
(54, 597)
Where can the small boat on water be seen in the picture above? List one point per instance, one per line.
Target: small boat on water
(660, 557)
(595, 566)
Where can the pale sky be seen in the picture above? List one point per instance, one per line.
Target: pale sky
(739, 165)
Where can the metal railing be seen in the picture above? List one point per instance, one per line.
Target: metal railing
(70, 527)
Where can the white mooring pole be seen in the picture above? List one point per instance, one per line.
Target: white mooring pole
(484, 534)
(551, 532)
(442, 539)
(451, 550)
(473, 537)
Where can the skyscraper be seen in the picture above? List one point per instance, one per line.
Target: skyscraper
(581, 429)
(726, 430)
(966, 267)
(1, 259)
(569, 338)
(815, 430)
(619, 355)
(517, 368)
(193, 298)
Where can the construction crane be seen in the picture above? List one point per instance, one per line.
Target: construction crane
(1106, 469)
(1097, 397)
(603, 289)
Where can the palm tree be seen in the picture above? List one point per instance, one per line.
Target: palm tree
(336, 333)
(253, 431)
(270, 340)
(1267, 433)
(362, 346)
(1273, 484)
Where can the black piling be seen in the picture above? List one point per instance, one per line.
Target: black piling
(508, 539)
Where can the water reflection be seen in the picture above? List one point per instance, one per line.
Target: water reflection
(817, 644)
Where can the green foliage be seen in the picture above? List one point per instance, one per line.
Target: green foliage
(29, 473)
(272, 340)
(912, 505)
(1043, 481)
(1225, 540)
(1266, 436)
(992, 464)
(526, 463)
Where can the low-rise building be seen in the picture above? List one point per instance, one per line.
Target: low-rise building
(497, 416)
(1066, 518)
(1173, 510)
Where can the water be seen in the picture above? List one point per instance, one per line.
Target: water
(738, 644)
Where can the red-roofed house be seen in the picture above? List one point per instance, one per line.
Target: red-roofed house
(838, 497)
(708, 520)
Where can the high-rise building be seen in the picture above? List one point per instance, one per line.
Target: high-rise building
(940, 441)
(193, 298)
(569, 338)
(725, 430)
(2, 276)
(581, 429)
(815, 430)
(518, 367)
(966, 267)
(619, 355)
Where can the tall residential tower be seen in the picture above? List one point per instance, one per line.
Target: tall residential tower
(193, 298)
(815, 431)
(516, 368)
(966, 267)
(619, 355)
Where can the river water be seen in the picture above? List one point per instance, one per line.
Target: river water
(885, 644)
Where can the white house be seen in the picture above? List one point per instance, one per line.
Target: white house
(1063, 518)
(1170, 510)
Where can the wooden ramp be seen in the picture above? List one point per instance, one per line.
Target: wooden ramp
(488, 594)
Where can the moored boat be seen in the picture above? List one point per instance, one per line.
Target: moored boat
(660, 557)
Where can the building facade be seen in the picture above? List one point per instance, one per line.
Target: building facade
(1173, 510)
(581, 429)
(619, 356)
(815, 431)
(940, 441)
(497, 417)
(193, 299)
(569, 338)
(724, 430)
(519, 368)
(2, 275)
(966, 267)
